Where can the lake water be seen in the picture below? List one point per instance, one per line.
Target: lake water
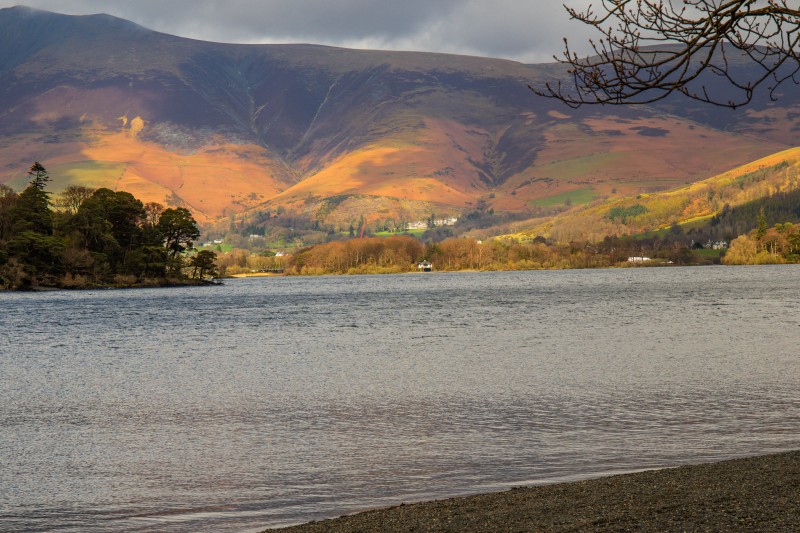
(280, 400)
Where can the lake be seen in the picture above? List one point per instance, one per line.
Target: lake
(271, 401)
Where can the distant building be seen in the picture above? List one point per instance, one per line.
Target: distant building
(710, 245)
(423, 224)
(425, 266)
(638, 259)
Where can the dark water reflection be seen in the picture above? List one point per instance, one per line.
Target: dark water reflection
(271, 401)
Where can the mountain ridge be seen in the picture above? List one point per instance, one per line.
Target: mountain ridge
(230, 128)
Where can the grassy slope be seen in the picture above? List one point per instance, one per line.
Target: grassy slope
(685, 205)
(619, 155)
(211, 181)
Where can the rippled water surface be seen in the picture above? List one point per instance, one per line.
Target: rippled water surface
(281, 400)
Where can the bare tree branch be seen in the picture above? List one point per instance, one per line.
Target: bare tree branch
(650, 49)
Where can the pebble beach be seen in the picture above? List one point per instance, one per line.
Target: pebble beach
(750, 494)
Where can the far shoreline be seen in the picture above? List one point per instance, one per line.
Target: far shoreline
(365, 272)
(112, 287)
(253, 275)
(218, 281)
(758, 493)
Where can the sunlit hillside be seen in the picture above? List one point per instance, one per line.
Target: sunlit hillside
(212, 181)
(684, 206)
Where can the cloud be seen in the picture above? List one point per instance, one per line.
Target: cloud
(524, 30)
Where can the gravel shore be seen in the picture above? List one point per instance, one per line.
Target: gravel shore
(752, 494)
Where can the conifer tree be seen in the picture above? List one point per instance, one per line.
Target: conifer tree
(762, 224)
(39, 176)
(32, 211)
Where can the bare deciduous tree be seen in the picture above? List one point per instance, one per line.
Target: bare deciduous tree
(650, 49)
(152, 212)
(72, 197)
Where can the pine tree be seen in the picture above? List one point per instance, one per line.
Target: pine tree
(39, 176)
(32, 211)
(762, 224)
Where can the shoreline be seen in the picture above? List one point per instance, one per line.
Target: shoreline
(103, 287)
(253, 275)
(481, 270)
(758, 493)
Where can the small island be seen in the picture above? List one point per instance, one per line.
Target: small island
(94, 239)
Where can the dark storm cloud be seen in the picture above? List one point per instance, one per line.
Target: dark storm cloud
(525, 30)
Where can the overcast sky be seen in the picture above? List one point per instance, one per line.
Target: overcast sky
(523, 30)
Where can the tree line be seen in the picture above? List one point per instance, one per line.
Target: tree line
(402, 254)
(90, 238)
(766, 245)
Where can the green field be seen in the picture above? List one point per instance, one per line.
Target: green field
(414, 232)
(577, 197)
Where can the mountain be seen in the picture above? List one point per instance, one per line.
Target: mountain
(334, 133)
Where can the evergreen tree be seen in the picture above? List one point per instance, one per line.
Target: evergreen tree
(8, 200)
(178, 229)
(41, 254)
(39, 176)
(147, 262)
(203, 263)
(762, 224)
(32, 211)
